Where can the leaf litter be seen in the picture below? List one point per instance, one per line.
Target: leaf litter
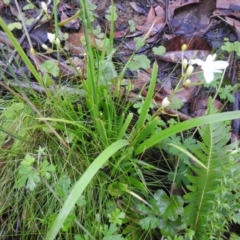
(170, 24)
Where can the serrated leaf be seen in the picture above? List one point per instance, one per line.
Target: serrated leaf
(81, 201)
(68, 222)
(144, 209)
(139, 42)
(160, 201)
(117, 216)
(159, 50)
(132, 25)
(109, 230)
(236, 217)
(139, 61)
(149, 222)
(107, 73)
(174, 208)
(32, 180)
(111, 13)
(46, 169)
(28, 160)
(17, 106)
(50, 66)
(114, 237)
(169, 228)
(176, 103)
(62, 186)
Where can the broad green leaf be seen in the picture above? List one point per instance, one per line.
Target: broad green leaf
(160, 201)
(139, 61)
(50, 66)
(149, 222)
(169, 228)
(17, 106)
(139, 42)
(174, 208)
(159, 50)
(236, 217)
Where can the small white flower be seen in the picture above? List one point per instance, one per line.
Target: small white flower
(51, 37)
(165, 102)
(210, 67)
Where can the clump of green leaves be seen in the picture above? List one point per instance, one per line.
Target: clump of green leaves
(231, 47)
(31, 171)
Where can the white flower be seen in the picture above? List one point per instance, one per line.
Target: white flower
(165, 102)
(210, 66)
(51, 37)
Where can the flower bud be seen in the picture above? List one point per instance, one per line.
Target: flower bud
(44, 46)
(57, 41)
(184, 47)
(32, 51)
(184, 63)
(165, 102)
(187, 83)
(189, 70)
(214, 56)
(44, 7)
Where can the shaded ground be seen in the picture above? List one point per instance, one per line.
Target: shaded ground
(124, 11)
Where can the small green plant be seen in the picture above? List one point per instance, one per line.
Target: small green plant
(30, 175)
(231, 47)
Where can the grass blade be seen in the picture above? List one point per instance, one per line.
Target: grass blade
(218, 117)
(20, 50)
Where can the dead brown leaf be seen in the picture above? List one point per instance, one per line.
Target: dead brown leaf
(234, 5)
(176, 56)
(154, 20)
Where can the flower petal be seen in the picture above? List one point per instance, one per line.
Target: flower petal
(197, 61)
(219, 65)
(51, 37)
(209, 76)
(210, 58)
